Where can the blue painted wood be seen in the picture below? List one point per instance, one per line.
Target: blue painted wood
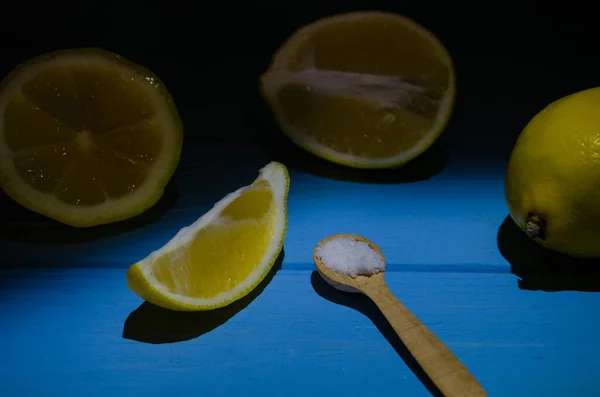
(451, 218)
(420, 222)
(69, 326)
(62, 333)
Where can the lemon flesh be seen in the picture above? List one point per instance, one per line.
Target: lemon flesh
(86, 137)
(223, 255)
(553, 179)
(366, 89)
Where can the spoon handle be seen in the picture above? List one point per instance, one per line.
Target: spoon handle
(443, 368)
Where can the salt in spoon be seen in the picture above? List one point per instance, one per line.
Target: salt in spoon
(450, 376)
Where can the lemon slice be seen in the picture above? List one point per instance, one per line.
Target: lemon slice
(86, 137)
(223, 255)
(366, 89)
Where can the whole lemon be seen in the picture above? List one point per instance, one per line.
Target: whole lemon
(552, 184)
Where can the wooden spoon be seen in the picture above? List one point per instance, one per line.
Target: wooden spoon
(443, 368)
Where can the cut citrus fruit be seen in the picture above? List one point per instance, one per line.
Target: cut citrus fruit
(86, 137)
(366, 89)
(224, 254)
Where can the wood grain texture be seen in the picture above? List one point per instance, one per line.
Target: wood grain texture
(61, 332)
(430, 220)
(453, 220)
(70, 327)
(450, 376)
(447, 375)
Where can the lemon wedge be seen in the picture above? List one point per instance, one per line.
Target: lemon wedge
(366, 89)
(86, 137)
(224, 254)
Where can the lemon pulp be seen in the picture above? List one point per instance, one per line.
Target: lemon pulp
(232, 239)
(86, 137)
(224, 254)
(364, 89)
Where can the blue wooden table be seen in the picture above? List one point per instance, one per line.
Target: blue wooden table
(522, 319)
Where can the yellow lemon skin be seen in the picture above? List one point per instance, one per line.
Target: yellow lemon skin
(224, 254)
(552, 184)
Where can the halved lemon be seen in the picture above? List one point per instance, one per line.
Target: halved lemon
(86, 137)
(366, 89)
(223, 255)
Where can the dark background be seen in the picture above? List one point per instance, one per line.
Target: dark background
(210, 55)
(511, 61)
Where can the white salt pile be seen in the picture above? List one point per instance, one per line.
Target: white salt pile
(348, 256)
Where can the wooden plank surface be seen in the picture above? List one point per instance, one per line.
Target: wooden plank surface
(70, 327)
(456, 218)
(79, 332)
(431, 219)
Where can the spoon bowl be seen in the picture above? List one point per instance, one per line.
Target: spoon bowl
(449, 375)
(340, 281)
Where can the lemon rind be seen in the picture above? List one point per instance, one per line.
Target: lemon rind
(112, 210)
(269, 89)
(143, 283)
